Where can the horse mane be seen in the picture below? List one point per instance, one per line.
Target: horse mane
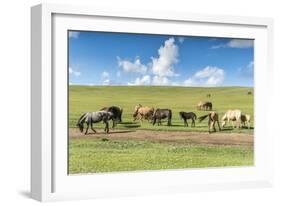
(104, 109)
(155, 112)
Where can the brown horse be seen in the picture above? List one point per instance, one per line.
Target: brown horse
(143, 112)
(213, 118)
(117, 114)
(245, 119)
(205, 106)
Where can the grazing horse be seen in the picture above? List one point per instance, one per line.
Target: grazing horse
(249, 93)
(188, 115)
(93, 117)
(232, 115)
(246, 118)
(143, 112)
(205, 106)
(117, 114)
(213, 118)
(162, 114)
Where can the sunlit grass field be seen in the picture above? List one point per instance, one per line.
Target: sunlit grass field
(93, 98)
(96, 155)
(99, 153)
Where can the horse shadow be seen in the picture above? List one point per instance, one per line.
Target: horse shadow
(127, 123)
(132, 126)
(122, 131)
(226, 129)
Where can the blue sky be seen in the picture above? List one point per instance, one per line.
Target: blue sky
(101, 58)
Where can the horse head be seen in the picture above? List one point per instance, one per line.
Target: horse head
(81, 127)
(137, 107)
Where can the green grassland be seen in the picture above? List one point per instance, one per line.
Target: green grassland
(99, 153)
(92, 98)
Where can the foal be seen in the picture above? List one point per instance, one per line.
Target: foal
(188, 115)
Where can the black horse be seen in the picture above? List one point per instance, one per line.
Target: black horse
(162, 114)
(188, 115)
(117, 114)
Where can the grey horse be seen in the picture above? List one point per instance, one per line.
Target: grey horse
(94, 117)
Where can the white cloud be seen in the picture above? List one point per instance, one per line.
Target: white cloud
(106, 82)
(209, 76)
(129, 66)
(161, 67)
(240, 43)
(105, 78)
(118, 74)
(145, 80)
(168, 56)
(74, 72)
(160, 80)
(73, 34)
(104, 75)
(236, 43)
(181, 39)
(248, 70)
(250, 66)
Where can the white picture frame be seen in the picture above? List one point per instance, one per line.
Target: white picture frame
(49, 178)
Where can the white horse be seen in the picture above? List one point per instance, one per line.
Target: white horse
(232, 115)
(245, 119)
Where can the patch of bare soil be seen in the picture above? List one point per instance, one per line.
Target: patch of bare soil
(171, 137)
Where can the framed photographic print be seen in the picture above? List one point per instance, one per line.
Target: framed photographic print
(135, 102)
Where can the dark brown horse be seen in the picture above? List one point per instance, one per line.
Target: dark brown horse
(188, 115)
(162, 114)
(117, 114)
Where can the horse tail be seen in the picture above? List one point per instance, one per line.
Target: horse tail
(82, 118)
(170, 113)
(203, 117)
(170, 118)
(121, 112)
(154, 112)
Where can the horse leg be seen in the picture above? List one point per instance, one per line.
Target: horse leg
(106, 129)
(113, 124)
(214, 127)
(239, 123)
(154, 121)
(185, 123)
(141, 118)
(93, 128)
(219, 125)
(193, 122)
(209, 125)
(232, 124)
(87, 128)
(169, 122)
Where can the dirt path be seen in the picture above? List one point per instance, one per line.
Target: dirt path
(176, 137)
